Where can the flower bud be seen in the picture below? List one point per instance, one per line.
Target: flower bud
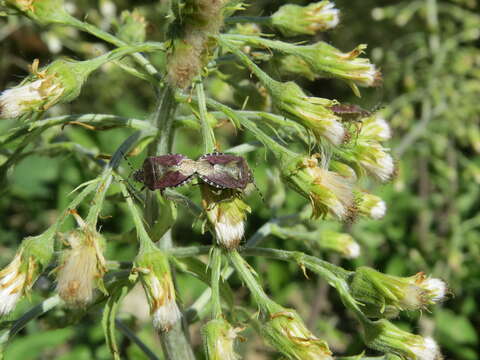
(344, 170)
(81, 267)
(371, 206)
(324, 59)
(153, 267)
(18, 277)
(328, 191)
(311, 112)
(218, 339)
(294, 20)
(403, 293)
(286, 332)
(132, 27)
(59, 82)
(339, 242)
(44, 11)
(375, 128)
(226, 212)
(383, 336)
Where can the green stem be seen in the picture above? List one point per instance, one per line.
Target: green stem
(207, 131)
(245, 273)
(95, 122)
(263, 20)
(95, 31)
(262, 75)
(275, 147)
(216, 265)
(144, 239)
(20, 323)
(175, 343)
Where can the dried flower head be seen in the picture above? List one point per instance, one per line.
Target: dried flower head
(294, 20)
(152, 265)
(81, 267)
(328, 191)
(226, 212)
(219, 340)
(383, 336)
(403, 293)
(286, 332)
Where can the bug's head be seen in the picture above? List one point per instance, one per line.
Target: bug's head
(139, 176)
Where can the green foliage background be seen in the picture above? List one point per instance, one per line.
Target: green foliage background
(430, 96)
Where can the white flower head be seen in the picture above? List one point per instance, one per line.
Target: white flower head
(161, 294)
(372, 206)
(352, 250)
(426, 350)
(436, 288)
(376, 128)
(12, 283)
(226, 212)
(31, 96)
(376, 160)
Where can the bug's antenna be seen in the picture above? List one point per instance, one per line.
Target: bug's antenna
(130, 187)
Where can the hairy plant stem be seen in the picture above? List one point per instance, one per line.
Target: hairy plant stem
(175, 343)
(248, 277)
(105, 36)
(216, 265)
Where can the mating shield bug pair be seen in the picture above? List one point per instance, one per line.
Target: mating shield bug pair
(222, 171)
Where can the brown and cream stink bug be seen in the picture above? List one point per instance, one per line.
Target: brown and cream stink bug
(161, 172)
(224, 171)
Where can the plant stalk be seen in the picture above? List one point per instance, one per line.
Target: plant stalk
(175, 342)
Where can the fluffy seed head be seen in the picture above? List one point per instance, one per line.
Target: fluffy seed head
(82, 268)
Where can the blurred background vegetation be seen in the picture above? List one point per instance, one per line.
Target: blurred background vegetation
(429, 53)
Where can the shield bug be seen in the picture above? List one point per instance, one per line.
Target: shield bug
(349, 112)
(224, 171)
(161, 172)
